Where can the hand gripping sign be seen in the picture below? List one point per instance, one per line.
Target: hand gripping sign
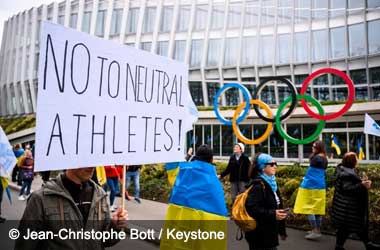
(244, 107)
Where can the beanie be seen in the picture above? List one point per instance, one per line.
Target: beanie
(241, 145)
(263, 159)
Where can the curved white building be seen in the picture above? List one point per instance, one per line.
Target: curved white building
(242, 41)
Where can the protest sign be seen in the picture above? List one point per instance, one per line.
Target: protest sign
(7, 157)
(101, 103)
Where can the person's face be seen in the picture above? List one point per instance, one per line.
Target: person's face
(270, 168)
(314, 148)
(83, 174)
(237, 149)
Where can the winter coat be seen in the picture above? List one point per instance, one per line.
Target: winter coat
(237, 169)
(261, 205)
(113, 171)
(350, 202)
(52, 208)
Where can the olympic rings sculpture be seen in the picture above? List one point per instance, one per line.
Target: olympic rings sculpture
(243, 108)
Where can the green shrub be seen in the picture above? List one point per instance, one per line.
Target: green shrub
(290, 186)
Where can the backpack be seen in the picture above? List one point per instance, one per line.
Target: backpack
(240, 215)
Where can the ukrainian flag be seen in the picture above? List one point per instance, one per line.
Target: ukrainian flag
(335, 144)
(360, 150)
(196, 204)
(311, 196)
(172, 170)
(101, 175)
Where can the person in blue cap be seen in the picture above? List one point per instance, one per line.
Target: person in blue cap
(264, 204)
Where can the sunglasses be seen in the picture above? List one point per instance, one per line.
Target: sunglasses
(272, 164)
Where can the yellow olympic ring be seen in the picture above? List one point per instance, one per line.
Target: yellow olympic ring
(236, 128)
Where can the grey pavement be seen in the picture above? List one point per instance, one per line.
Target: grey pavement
(151, 214)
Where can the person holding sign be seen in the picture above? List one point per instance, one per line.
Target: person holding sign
(73, 202)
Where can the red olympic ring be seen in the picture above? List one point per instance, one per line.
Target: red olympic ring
(351, 93)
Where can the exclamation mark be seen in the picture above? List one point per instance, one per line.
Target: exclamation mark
(179, 135)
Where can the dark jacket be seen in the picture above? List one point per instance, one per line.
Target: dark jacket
(52, 208)
(350, 202)
(133, 168)
(237, 169)
(261, 205)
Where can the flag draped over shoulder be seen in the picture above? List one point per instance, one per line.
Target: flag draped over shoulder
(7, 162)
(172, 170)
(196, 204)
(311, 196)
(335, 144)
(360, 150)
(370, 126)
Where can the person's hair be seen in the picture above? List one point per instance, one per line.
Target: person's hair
(320, 149)
(203, 153)
(253, 170)
(349, 160)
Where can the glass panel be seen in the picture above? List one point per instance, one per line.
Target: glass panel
(301, 47)
(267, 94)
(283, 92)
(373, 3)
(200, 17)
(299, 79)
(285, 15)
(339, 94)
(117, 16)
(183, 18)
(355, 4)
(196, 93)
(149, 19)
(248, 50)
(167, 17)
(146, 46)
(283, 51)
(336, 80)
(251, 15)
(337, 42)
(342, 141)
(319, 45)
(13, 102)
(162, 48)
(234, 15)
(212, 88)
(356, 41)
(86, 22)
(227, 140)
(21, 99)
(307, 130)
(179, 50)
(337, 8)
(321, 80)
(320, 9)
(28, 96)
(198, 136)
(258, 131)
(294, 130)
(266, 50)
(358, 76)
(276, 144)
(374, 37)
(268, 15)
(321, 94)
(357, 141)
(100, 22)
(217, 17)
(232, 97)
(214, 49)
(190, 139)
(132, 20)
(374, 146)
(231, 51)
(376, 93)
(361, 93)
(216, 140)
(302, 11)
(61, 20)
(246, 130)
(207, 134)
(196, 53)
(374, 75)
(73, 20)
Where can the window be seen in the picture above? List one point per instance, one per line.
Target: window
(196, 92)
(183, 18)
(196, 53)
(21, 99)
(227, 140)
(339, 94)
(200, 20)
(294, 130)
(179, 50)
(355, 4)
(117, 16)
(212, 88)
(234, 15)
(283, 48)
(319, 45)
(373, 3)
(358, 76)
(162, 48)
(276, 144)
(299, 79)
(302, 11)
(374, 75)
(361, 93)
(73, 21)
(266, 49)
(356, 41)
(217, 17)
(149, 19)
(374, 37)
(336, 80)
(86, 22)
(301, 48)
(337, 8)
(337, 43)
(100, 22)
(267, 94)
(167, 18)
(374, 146)
(319, 9)
(248, 50)
(146, 46)
(376, 93)
(214, 49)
(321, 80)
(268, 15)
(231, 51)
(216, 140)
(132, 20)
(251, 15)
(61, 19)
(321, 94)
(28, 96)
(232, 96)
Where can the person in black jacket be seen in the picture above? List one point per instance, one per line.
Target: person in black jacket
(264, 204)
(237, 168)
(350, 203)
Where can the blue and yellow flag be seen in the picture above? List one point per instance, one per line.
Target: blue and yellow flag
(172, 170)
(335, 144)
(196, 205)
(360, 150)
(311, 196)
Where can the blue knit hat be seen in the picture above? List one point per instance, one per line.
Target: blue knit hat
(263, 159)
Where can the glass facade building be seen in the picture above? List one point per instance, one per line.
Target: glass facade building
(222, 41)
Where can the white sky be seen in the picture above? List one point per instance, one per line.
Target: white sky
(9, 8)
